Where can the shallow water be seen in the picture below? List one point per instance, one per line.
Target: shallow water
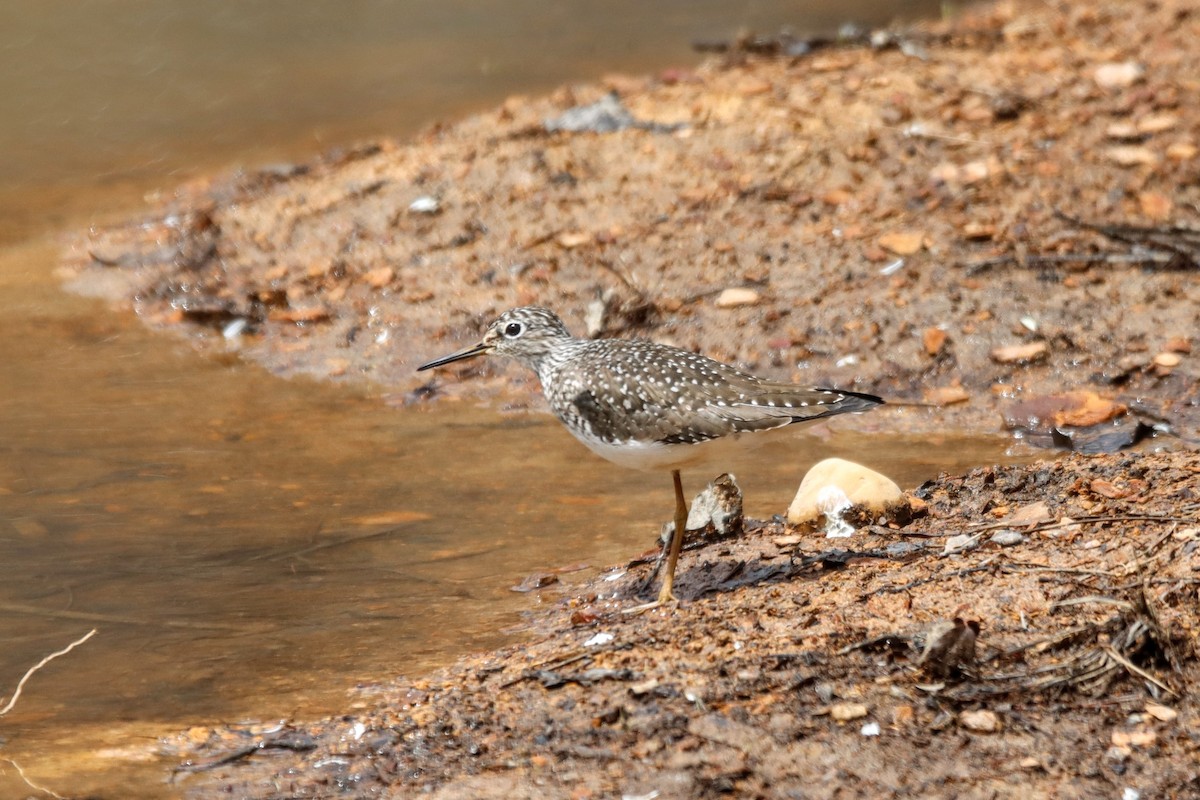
(128, 95)
(248, 547)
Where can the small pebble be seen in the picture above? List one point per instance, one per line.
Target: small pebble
(981, 721)
(1007, 538)
(1167, 359)
(234, 329)
(959, 543)
(843, 712)
(424, 205)
(1117, 75)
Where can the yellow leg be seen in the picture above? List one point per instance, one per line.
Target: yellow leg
(665, 596)
(681, 513)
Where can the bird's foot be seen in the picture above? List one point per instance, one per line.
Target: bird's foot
(665, 598)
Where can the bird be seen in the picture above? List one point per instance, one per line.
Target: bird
(649, 406)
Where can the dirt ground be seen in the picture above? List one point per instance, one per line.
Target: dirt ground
(793, 667)
(993, 222)
(911, 220)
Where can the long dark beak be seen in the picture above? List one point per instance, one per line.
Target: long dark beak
(470, 352)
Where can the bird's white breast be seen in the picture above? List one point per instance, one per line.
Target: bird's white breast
(655, 456)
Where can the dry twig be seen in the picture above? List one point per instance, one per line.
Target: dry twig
(21, 684)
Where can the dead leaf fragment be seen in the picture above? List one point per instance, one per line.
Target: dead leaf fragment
(942, 396)
(1161, 713)
(1080, 409)
(379, 278)
(1020, 353)
(933, 339)
(1155, 205)
(1178, 344)
(1032, 514)
(902, 243)
(1106, 488)
(1088, 408)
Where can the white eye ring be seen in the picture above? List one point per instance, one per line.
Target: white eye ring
(513, 329)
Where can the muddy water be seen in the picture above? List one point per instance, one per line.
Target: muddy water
(133, 94)
(248, 547)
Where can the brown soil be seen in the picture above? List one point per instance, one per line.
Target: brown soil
(785, 646)
(996, 211)
(950, 159)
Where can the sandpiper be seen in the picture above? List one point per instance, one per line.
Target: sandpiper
(650, 406)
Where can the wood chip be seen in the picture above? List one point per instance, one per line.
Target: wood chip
(300, 315)
(1157, 123)
(844, 712)
(379, 278)
(902, 243)
(1161, 713)
(573, 239)
(946, 395)
(1155, 205)
(1021, 353)
(979, 231)
(734, 297)
(1182, 151)
(933, 339)
(1178, 344)
(1131, 156)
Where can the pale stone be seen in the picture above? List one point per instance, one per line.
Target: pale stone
(862, 486)
(1167, 359)
(844, 712)
(1118, 75)
(982, 721)
(735, 296)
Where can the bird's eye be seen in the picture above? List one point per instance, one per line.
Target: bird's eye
(513, 329)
